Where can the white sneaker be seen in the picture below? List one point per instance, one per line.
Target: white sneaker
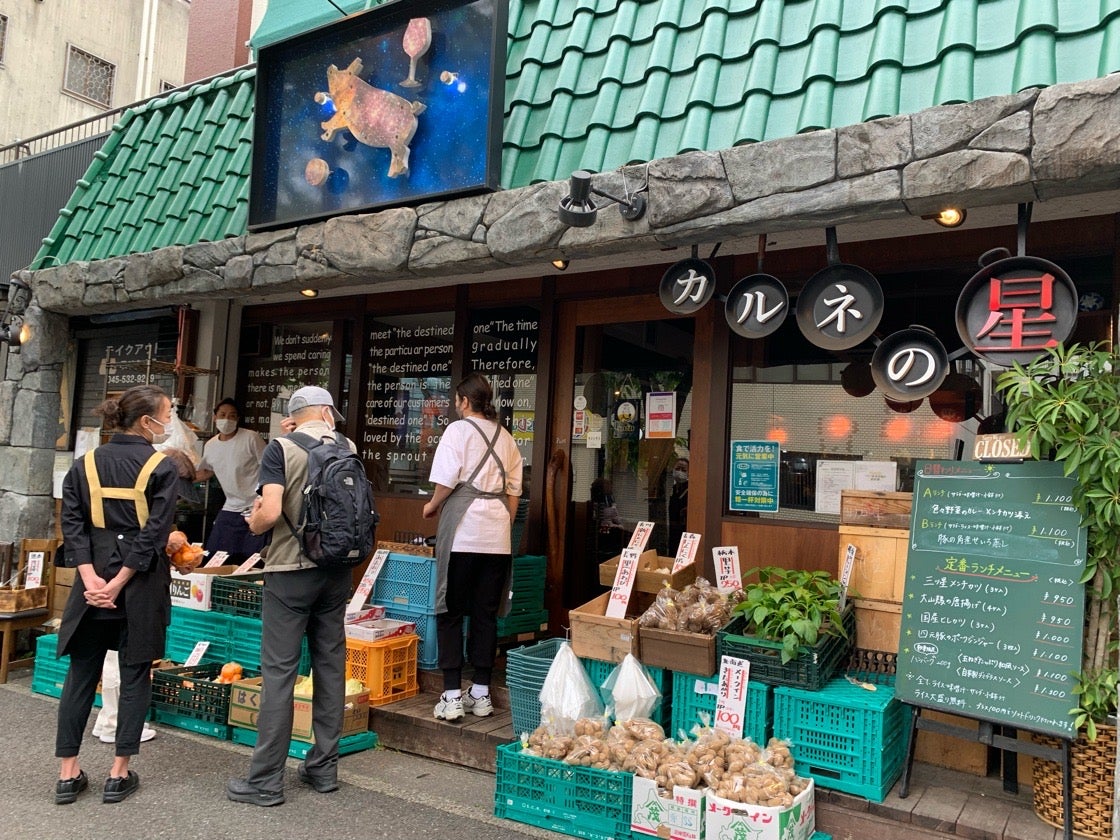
(146, 735)
(478, 706)
(447, 709)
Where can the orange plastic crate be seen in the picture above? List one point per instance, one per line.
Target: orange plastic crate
(386, 667)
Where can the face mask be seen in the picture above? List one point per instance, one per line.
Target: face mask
(680, 475)
(226, 426)
(162, 437)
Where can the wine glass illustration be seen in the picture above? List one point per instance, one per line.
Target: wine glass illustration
(417, 40)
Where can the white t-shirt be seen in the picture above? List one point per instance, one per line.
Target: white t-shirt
(485, 527)
(236, 463)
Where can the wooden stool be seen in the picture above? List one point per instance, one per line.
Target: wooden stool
(10, 624)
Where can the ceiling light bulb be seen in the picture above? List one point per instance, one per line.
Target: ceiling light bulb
(950, 217)
(560, 265)
(309, 293)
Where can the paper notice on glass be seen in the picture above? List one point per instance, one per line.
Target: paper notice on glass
(686, 551)
(726, 560)
(369, 579)
(88, 437)
(875, 475)
(832, 477)
(595, 439)
(623, 583)
(661, 415)
(641, 536)
(731, 702)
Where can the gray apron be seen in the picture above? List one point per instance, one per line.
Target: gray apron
(451, 515)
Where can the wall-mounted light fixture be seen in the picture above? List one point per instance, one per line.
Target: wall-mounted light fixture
(560, 265)
(309, 293)
(950, 217)
(12, 328)
(578, 210)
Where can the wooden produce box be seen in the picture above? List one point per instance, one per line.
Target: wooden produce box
(877, 624)
(875, 508)
(649, 579)
(594, 636)
(677, 650)
(879, 571)
(18, 599)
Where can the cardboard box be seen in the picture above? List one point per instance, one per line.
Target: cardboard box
(727, 818)
(693, 653)
(678, 815)
(649, 579)
(380, 628)
(193, 591)
(594, 636)
(245, 703)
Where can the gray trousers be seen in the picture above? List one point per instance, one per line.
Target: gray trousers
(311, 601)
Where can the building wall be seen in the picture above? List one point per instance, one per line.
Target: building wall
(218, 37)
(145, 40)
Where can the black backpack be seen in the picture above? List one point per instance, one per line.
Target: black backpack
(338, 519)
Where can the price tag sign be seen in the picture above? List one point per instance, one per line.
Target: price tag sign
(219, 559)
(623, 583)
(846, 575)
(686, 551)
(197, 654)
(726, 560)
(641, 536)
(365, 585)
(731, 702)
(249, 563)
(34, 569)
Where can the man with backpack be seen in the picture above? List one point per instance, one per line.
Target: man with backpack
(315, 499)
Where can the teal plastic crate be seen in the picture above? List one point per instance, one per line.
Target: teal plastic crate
(298, 749)
(694, 702)
(531, 661)
(203, 624)
(530, 621)
(180, 644)
(214, 729)
(238, 595)
(427, 651)
(48, 673)
(598, 671)
(820, 835)
(844, 736)
(524, 706)
(408, 581)
(577, 801)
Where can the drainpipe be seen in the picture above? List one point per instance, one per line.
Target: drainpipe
(147, 45)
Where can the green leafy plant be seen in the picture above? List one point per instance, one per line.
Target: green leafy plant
(792, 607)
(1096, 694)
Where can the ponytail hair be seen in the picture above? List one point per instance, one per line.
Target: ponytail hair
(125, 411)
(477, 391)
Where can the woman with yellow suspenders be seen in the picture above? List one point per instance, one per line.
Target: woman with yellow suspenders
(118, 506)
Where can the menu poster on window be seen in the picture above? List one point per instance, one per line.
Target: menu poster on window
(754, 475)
(835, 476)
(297, 355)
(407, 398)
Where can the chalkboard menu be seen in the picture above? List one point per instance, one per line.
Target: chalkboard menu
(993, 613)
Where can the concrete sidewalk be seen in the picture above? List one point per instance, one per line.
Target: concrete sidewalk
(384, 794)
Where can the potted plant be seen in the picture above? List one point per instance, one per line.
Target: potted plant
(1066, 405)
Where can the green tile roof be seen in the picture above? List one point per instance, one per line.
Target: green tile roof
(597, 84)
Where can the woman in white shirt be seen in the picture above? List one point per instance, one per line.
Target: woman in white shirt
(234, 457)
(477, 475)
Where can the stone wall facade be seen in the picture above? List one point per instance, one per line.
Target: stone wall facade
(1027, 147)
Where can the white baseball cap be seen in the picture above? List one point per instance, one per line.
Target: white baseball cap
(310, 395)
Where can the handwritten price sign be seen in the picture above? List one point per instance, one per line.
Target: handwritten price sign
(731, 702)
(219, 558)
(686, 551)
(623, 583)
(846, 575)
(726, 560)
(365, 585)
(641, 536)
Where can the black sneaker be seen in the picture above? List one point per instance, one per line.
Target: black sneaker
(239, 790)
(67, 790)
(118, 788)
(321, 785)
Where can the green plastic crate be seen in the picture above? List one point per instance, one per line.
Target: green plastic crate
(48, 673)
(203, 624)
(598, 671)
(844, 736)
(298, 749)
(407, 580)
(238, 595)
(191, 692)
(221, 731)
(813, 667)
(577, 801)
(694, 702)
(180, 644)
(522, 622)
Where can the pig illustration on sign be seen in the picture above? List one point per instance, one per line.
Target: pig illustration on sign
(375, 117)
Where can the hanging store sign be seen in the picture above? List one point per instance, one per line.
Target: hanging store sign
(757, 306)
(1015, 308)
(841, 305)
(909, 364)
(687, 286)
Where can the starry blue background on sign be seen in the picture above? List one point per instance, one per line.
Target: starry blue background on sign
(448, 152)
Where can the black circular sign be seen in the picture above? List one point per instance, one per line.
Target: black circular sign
(1013, 309)
(909, 364)
(756, 306)
(687, 286)
(840, 307)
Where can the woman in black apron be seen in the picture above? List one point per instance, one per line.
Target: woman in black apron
(477, 475)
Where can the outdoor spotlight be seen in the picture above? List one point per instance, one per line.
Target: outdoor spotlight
(19, 296)
(560, 265)
(15, 334)
(578, 210)
(309, 293)
(950, 217)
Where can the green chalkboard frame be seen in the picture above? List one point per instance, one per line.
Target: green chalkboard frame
(993, 611)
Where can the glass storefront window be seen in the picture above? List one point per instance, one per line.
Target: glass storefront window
(277, 359)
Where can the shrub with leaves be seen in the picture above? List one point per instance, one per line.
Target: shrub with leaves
(792, 607)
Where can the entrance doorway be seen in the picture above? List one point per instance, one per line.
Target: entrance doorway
(624, 410)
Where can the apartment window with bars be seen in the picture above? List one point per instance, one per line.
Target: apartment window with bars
(165, 86)
(3, 35)
(89, 77)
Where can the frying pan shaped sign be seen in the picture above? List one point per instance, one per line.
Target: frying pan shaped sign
(909, 364)
(687, 286)
(757, 306)
(841, 305)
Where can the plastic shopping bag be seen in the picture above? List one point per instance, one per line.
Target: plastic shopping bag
(567, 694)
(633, 693)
